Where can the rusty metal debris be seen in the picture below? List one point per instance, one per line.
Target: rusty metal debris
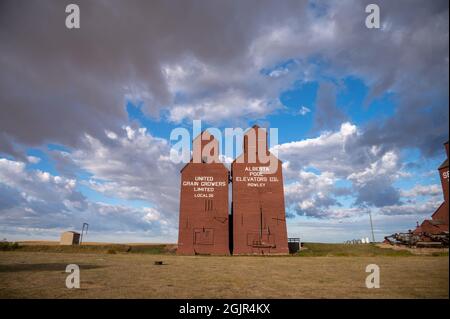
(431, 232)
(412, 239)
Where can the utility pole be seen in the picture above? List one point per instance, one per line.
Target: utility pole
(371, 226)
(84, 230)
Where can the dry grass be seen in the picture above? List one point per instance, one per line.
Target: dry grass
(416, 251)
(95, 248)
(85, 243)
(309, 250)
(367, 250)
(25, 274)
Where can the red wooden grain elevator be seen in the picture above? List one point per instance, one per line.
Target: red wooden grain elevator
(204, 217)
(439, 220)
(258, 210)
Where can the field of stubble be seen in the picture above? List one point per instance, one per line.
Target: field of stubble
(37, 274)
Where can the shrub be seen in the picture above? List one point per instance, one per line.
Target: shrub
(7, 246)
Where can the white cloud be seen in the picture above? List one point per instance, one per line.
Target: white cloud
(423, 190)
(327, 152)
(33, 197)
(136, 166)
(33, 159)
(217, 79)
(230, 105)
(371, 171)
(111, 135)
(387, 165)
(421, 209)
(36, 185)
(32, 200)
(163, 64)
(304, 110)
(311, 194)
(279, 72)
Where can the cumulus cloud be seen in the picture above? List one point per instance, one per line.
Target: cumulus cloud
(423, 190)
(132, 165)
(77, 82)
(371, 172)
(232, 104)
(220, 62)
(423, 209)
(194, 60)
(373, 185)
(311, 194)
(40, 187)
(33, 200)
(35, 197)
(304, 110)
(330, 151)
(378, 192)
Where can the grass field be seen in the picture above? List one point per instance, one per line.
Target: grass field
(320, 271)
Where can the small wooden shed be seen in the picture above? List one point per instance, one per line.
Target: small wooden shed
(70, 238)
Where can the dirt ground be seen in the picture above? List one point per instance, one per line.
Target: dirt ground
(414, 250)
(42, 275)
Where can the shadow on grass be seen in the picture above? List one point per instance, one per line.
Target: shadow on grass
(42, 267)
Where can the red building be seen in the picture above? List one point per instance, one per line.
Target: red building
(439, 220)
(258, 210)
(203, 223)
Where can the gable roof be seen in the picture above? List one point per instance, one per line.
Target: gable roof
(206, 133)
(444, 164)
(256, 127)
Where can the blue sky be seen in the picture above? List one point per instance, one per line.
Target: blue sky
(85, 128)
